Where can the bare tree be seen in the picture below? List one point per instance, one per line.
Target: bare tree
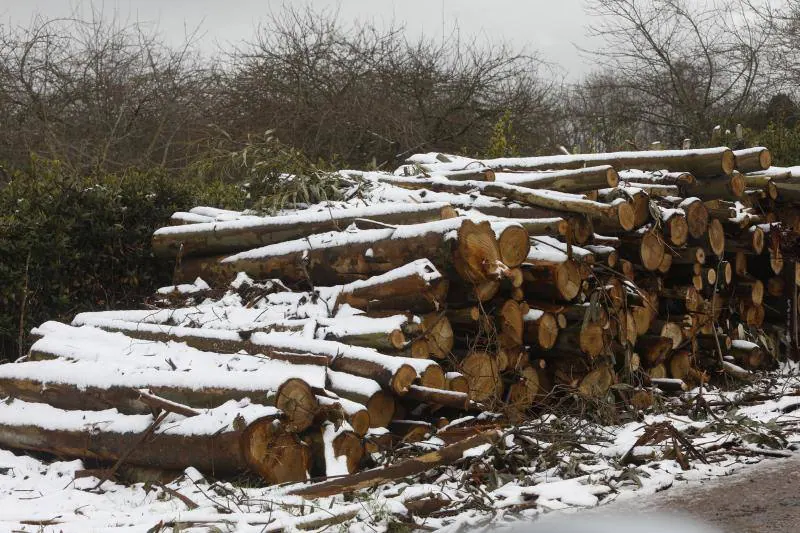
(688, 65)
(364, 94)
(96, 94)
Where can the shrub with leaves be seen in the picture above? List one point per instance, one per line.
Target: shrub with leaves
(276, 176)
(73, 242)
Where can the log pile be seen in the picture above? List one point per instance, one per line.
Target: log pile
(292, 345)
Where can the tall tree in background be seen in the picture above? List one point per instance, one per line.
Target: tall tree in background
(684, 66)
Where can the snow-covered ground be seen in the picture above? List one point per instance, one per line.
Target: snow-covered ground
(552, 463)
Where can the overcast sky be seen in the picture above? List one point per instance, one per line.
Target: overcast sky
(552, 28)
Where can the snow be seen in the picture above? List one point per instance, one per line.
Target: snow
(348, 382)
(335, 239)
(185, 288)
(264, 377)
(323, 214)
(17, 413)
(335, 465)
(420, 267)
(743, 345)
(359, 325)
(116, 350)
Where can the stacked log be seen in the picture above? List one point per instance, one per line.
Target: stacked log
(498, 285)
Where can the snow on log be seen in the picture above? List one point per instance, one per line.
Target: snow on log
(700, 162)
(228, 440)
(379, 403)
(396, 373)
(417, 287)
(220, 237)
(347, 256)
(577, 180)
(85, 385)
(615, 213)
(753, 159)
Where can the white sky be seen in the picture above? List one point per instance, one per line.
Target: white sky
(552, 28)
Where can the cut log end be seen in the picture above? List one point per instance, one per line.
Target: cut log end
(547, 331)
(678, 228)
(758, 240)
(728, 162)
(477, 257)
(697, 219)
(298, 402)
(439, 335)
(568, 280)
(483, 376)
(612, 177)
(514, 245)
(651, 251)
(277, 456)
(381, 407)
(626, 216)
(403, 378)
(347, 444)
(716, 237)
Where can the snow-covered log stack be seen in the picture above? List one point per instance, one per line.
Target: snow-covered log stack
(292, 344)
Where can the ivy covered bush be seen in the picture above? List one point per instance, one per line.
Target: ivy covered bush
(71, 242)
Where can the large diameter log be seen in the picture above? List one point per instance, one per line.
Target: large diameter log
(700, 162)
(653, 350)
(696, 216)
(334, 451)
(447, 398)
(482, 374)
(752, 159)
(730, 187)
(619, 213)
(540, 329)
(513, 242)
(417, 287)
(559, 281)
(522, 393)
(342, 257)
(577, 180)
(398, 470)
(584, 340)
(675, 225)
(220, 442)
(648, 246)
(380, 404)
(76, 385)
(395, 373)
(221, 237)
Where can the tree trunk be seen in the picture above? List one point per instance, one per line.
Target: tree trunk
(77, 387)
(223, 237)
(380, 404)
(752, 159)
(702, 163)
(417, 287)
(573, 181)
(540, 329)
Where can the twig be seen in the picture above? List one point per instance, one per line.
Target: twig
(23, 305)
(149, 431)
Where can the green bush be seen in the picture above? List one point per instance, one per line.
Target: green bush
(71, 243)
(783, 143)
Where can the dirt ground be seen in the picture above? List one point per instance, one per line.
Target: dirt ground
(762, 498)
